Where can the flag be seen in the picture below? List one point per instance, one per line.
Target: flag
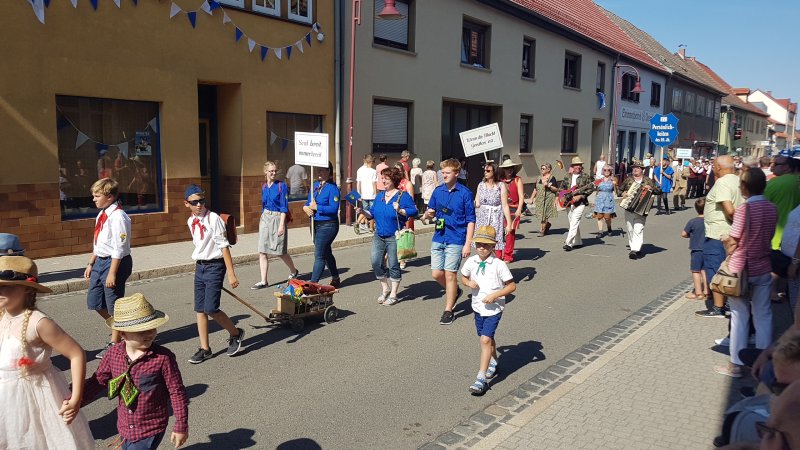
(82, 138)
(153, 124)
(225, 18)
(174, 10)
(192, 15)
(264, 51)
(206, 7)
(123, 148)
(38, 9)
(601, 100)
(251, 44)
(299, 45)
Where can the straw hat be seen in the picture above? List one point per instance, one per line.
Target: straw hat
(509, 163)
(135, 313)
(576, 160)
(21, 271)
(485, 235)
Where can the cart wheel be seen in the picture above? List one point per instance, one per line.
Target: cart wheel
(297, 325)
(331, 313)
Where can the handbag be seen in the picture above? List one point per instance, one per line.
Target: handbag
(725, 281)
(405, 239)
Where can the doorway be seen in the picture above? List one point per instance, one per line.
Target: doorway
(208, 147)
(458, 117)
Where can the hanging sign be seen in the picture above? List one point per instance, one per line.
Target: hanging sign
(481, 140)
(311, 149)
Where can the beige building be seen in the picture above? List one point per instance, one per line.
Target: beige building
(155, 98)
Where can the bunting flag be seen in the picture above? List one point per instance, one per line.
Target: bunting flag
(264, 51)
(153, 124)
(82, 138)
(251, 44)
(174, 10)
(277, 52)
(289, 52)
(315, 27)
(38, 9)
(135, 2)
(214, 4)
(123, 148)
(308, 38)
(284, 144)
(94, 4)
(272, 137)
(239, 34)
(601, 100)
(225, 18)
(46, 3)
(74, 3)
(116, 2)
(192, 15)
(299, 45)
(206, 7)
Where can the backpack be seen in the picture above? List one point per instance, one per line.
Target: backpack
(230, 228)
(740, 420)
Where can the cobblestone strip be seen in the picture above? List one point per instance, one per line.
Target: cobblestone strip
(535, 391)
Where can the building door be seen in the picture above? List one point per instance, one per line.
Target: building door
(207, 142)
(458, 117)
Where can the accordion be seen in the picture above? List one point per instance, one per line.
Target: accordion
(639, 200)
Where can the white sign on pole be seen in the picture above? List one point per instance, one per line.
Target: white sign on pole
(683, 153)
(311, 149)
(481, 140)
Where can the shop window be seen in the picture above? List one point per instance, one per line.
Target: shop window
(525, 131)
(655, 95)
(393, 33)
(269, 7)
(628, 83)
(300, 10)
(600, 84)
(389, 126)
(677, 99)
(528, 58)
(105, 138)
(569, 134)
(280, 134)
(475, 44)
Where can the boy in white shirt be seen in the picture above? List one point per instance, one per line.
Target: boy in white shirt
(367, 187)
(212, 255)
(490, 281)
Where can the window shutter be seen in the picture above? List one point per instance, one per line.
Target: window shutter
(389, 124)
(392, 30)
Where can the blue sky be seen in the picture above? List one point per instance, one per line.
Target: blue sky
(748, 43)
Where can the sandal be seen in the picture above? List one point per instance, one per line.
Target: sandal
(729, 370)
(693, 296)
(382, 298)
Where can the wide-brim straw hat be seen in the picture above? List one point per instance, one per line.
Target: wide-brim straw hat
(485, 235)
(509, 164)
(21, 271)
(576, 160)
(135, 313)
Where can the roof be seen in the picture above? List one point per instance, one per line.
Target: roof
(776, 122)
(741, 91)
(785, 103)
(731, 98)
(586, 18)
(780, 134)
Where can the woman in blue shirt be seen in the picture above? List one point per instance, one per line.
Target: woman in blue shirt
(323, 206)
(391, 209)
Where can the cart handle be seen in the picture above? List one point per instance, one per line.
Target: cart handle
(245, 303)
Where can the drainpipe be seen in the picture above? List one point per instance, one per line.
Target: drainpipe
(338, 17)
(612, 129)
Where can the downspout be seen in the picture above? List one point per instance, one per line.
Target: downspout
(612, 129)
(338, 17)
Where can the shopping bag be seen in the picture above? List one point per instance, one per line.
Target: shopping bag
(406, 248)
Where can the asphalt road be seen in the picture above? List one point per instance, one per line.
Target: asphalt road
(387, 377)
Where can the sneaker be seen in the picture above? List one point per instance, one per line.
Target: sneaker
(479, 387)
(633, 255)
(729, 370)
(235, 343)
(713, 313)
(390, 301)
(723, 342)
(491, 371)
(102, 352)
(447, 318)
(336, 282)
(294, 275)
(200, 356)
(403, 264)
(567, 248)
(259, 285)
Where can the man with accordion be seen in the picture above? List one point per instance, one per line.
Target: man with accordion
(638, 193)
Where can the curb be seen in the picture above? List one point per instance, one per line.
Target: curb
(75, 285)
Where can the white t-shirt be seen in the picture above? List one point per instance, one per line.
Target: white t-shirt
(490, 278)
(574, 179)
(295, 176)
(365, 176)
(598, 169)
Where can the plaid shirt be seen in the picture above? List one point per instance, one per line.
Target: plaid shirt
(158, 378)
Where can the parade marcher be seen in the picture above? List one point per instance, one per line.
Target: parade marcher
(544, 197)
(212, 256)
(664, 175)
(429, 182)
(33, 392)
(695, 231)
(508, 175)
(622, 171)
(692, 177)
(490, 281)
(272, 236)
(454, 211)
(110, 264)
(390, 210)
(491, 206)
(367, 187)
(323, 206)
(145, 376)
(604, 207)
(10, 245)
(580, 184)
(634, 222)
(647, 165)
(463, 175)
(681, 178)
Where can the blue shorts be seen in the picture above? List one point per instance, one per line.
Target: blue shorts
(445, 256)
(487, 325)
(148, 443)
(208, 279)
(713, 255)
(99, 296)
(696, 261)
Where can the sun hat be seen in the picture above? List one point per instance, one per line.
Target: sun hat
(485, 235)
(576, 160)
(509, 164)
(10, 245)
(636, 163)
(191, 190)
(21, 271)
(135, 313)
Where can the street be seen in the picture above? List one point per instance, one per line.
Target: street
(387, 377)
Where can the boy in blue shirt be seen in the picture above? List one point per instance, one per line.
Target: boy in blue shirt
(453, 206)
(695, 230)
(663, 176)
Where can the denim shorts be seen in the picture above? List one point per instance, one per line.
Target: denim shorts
(696, 261)
(208, 280)
(487, 325)
(99, 296)
(445, 256)
(148, 443)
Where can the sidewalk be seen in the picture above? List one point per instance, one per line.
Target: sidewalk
(65, 273)
(647, 382)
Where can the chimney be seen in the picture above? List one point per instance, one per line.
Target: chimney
(682, 53)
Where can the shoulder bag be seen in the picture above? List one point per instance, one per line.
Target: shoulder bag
(725, 281)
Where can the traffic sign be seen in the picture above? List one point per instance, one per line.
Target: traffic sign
(663, 129)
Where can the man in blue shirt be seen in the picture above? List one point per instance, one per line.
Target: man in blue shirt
(453, 208)
(663, 176)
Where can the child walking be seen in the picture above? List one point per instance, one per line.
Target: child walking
(145, 377)
(490, 281)
(212, 255)
(695, 230)
(32, 391)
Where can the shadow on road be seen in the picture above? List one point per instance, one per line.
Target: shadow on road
(511, 358)
(431, 289)
(299, 444)
(61, 275)
(238, 438)
(188, 332)
(528, 254)
(105, 426)
(650, 249)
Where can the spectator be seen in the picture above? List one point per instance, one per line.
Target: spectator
(765, 162)
(379, 169)
(297, 180)
(696, 232)
(790, 247)
(367, 186)
(784, 192)
(415, 176)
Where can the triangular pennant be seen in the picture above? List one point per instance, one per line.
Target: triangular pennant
(277, 52)
(116, 2)
(102, 149)
(192, 15)
(94, 4)
(153, 124)
(289, 52)
(308, 38)
(206, 7)
(239, 34)
(74, 3)
(135, 2)
(174, 10)
(272, 137)
(225, 18)
(284, 144)
(251, 44)
(38, 9)
(264, 51)
(82, 138)
(123, 148)
(214, 4)
(46, 3)
(299, 45)
(315, 27)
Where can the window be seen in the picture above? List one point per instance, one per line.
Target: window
(631, 143)
(269, 7)
(701, 106)
(236, 3)
(392, 33)
(677, 99)
(280, 132)
(600, 83)
(300, 10)
(572, 70)
(749, 125)
(569, 134)
(642, 144)
(528, 58)
(628, 83)
(294, 10)
(474, 44)
(105, 138)
(689, 107)
(710, 108)
(525, 128)
(655, 94)
(389, 126)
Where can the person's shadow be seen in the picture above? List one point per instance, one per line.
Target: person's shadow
(511, 358)
(299, 444)
(189, 331)
(234, 439)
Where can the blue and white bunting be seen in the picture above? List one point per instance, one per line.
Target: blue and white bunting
(264, 52)
(153, 124)
(94, 4)
(251, 44)
(82, 138)
(192, 16)
(288, 52)
(206, 7)
(38, 9)
(225, 18)
(116, 2)
(123, 148)
(74, 3)
(174, 10)
(239, 34)
(299, 45)
(277, 52)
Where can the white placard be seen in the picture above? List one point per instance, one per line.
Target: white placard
(311, 149)
(481, 140)
(683, 153)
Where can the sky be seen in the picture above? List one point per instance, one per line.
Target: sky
(749, 43)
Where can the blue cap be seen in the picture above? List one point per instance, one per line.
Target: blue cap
(10, 245)
(666, 156)
(191, 190)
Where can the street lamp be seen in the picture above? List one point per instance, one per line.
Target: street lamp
(637, 89)
(389, 12)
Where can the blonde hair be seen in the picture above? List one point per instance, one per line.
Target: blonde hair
(30, 306)
(430, 164)
(106, 186)
(369, 158)
(451, 163)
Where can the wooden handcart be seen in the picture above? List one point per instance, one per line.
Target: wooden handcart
(294, 311)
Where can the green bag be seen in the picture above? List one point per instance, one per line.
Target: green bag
(406, 245)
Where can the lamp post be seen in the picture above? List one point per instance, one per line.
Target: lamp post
(389, 12)
(637, 89)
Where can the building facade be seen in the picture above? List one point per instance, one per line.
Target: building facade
(634, 111)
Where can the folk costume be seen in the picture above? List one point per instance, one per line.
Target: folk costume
(579, 184)
(635, 222)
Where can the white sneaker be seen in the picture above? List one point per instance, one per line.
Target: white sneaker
(723, 342)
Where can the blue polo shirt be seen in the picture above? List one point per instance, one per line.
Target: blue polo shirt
(457, 207)
(386, 218)
(275, 197)
(327, 199)
(666, 183)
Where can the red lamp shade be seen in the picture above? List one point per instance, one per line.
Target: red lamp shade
(637, 88)
(389, 11)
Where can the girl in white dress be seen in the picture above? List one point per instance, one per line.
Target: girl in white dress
(38, 412)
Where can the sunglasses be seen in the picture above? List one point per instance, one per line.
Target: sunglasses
(488, 170)
(201, 201)
(11, 275)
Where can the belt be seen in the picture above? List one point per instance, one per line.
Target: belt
(210, 261)
(272, 213)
